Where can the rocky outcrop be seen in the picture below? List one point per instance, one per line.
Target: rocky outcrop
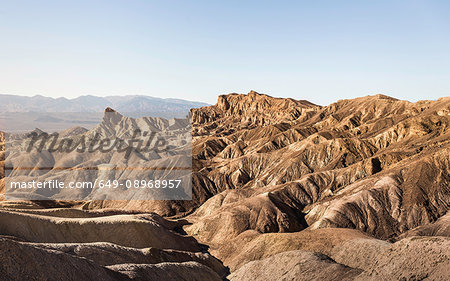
(441, 227)
(107, 254)
(252, 245)
(419, 258)
(237, 111)
(24, 262)
(295, 265)
(127, 230)
(415, 258)
(28, 262)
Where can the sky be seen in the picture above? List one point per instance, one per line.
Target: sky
(321, 51)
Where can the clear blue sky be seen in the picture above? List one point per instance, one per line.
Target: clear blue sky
(321, 51)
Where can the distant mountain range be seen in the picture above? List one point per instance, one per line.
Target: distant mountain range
(89, 103)
(20, 114)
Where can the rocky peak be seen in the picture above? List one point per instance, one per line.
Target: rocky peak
(111, 116)
(109, 109)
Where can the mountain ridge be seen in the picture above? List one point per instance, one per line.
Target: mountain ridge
(90, 103)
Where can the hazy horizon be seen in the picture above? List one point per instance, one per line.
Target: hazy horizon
(100, 96)
(197, 101)
(318, 51)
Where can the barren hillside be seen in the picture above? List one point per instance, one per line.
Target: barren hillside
(282, 188)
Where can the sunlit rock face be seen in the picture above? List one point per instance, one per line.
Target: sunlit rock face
(376, 164)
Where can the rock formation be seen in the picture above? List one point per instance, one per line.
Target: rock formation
(281, 189)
